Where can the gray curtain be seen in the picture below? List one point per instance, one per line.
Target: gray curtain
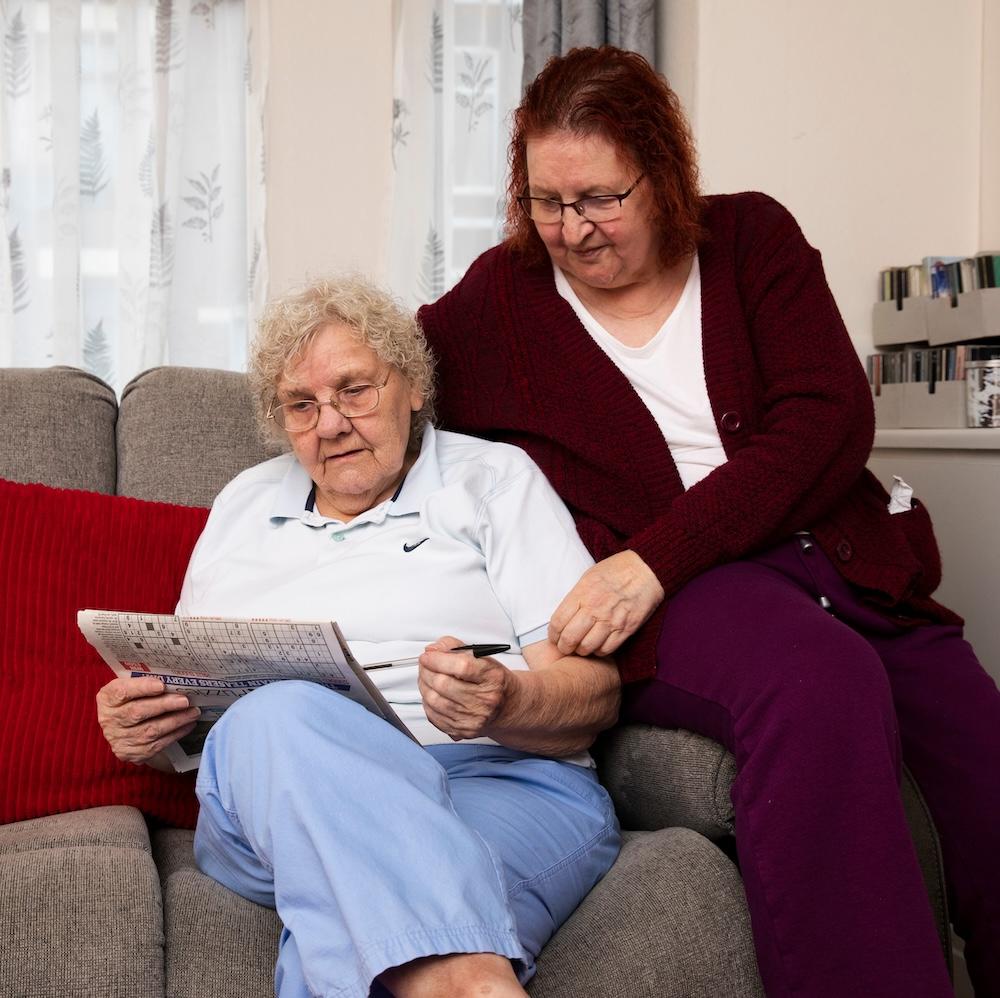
(553, 27)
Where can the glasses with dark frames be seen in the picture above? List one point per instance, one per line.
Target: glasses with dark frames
(596, 208)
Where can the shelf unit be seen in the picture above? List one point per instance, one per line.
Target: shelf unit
(931, 322)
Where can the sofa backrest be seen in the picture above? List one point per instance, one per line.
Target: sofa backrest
(57, 426)
(179, 434)
(183, 432)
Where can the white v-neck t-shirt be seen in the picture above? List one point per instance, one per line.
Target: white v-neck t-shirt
(668, 374)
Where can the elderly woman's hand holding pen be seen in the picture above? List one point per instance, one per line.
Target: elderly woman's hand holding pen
(463, 690)
(467, 694)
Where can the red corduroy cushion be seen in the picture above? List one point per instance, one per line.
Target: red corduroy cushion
(62, 551)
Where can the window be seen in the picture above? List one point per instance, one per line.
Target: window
(125, 184)
(458, 76)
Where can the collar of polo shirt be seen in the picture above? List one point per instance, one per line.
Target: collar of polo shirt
(420, 481)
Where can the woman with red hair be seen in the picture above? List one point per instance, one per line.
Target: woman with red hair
(678, 367)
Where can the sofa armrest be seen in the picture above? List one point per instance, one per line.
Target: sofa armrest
(925, 841)
(661, 777)
(80, 910)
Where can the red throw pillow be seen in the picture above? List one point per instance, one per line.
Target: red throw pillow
(62, 551)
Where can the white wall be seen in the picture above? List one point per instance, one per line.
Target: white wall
(989, 215)
(866, 119)
(863, 118)
(329, 115)
(677, 35)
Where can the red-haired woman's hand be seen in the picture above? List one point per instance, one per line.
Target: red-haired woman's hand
(612, 600)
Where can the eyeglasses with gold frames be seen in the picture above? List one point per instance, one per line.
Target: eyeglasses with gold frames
(301, 415)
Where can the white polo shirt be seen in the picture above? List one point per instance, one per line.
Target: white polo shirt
(475, 544)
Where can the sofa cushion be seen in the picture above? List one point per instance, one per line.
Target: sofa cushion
(244, 935)
(58, 428)
(99, 827)
(61, 551)
(669, 919)
(81, 907)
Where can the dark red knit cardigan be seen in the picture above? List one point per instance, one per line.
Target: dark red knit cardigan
(791, 403)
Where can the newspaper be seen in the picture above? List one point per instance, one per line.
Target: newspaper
(216, 660)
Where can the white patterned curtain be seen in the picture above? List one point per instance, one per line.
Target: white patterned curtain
(131, 158)
(553, 27)
(457, 76)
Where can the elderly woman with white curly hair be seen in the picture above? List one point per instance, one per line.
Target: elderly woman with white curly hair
(432, 869)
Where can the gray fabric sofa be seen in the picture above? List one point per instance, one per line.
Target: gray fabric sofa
(99, 903)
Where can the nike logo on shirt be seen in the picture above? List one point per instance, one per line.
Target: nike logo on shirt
(412, 547)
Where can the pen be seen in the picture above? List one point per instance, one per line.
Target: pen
(481, 651)
(478, 651)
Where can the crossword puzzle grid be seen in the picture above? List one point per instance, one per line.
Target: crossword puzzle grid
(255, 648)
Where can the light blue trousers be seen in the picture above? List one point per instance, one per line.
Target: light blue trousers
(375, 851)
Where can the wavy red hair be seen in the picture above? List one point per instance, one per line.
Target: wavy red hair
(617, 95)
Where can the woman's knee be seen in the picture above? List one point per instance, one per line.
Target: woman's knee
(272, 735)
(272, 710)
(836, 682)
(742, 641)
(285, 699)
(305, 722)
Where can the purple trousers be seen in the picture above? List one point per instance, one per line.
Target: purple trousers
(820, 709)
